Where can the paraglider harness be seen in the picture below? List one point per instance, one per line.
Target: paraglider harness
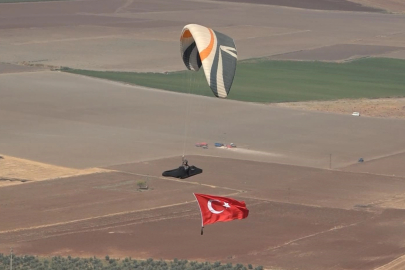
(184, 171)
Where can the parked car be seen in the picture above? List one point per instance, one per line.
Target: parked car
(201, 144)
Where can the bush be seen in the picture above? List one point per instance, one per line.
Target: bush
(141, 184)
(93, 263)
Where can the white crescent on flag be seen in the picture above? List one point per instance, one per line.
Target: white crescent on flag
(212, 210)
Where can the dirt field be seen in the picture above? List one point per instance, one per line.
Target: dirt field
(341, 5)
(143, 35)
(59, 125)
(83, 198)
(338, 52)
(384, 108)
(397, 264)
(9, 68)
(397, 6)
(276, 182)
(390, 165)
(80, 122)
(299, 217)
(16, 171)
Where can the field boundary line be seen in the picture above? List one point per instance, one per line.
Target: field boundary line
(238, 191)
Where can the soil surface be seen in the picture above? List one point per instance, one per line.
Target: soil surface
(342, 5)
(299, 217)
(396, 6)
(383, 107)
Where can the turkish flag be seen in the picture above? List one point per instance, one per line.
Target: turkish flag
(220, 209)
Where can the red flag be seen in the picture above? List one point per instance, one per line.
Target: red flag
(220, 209)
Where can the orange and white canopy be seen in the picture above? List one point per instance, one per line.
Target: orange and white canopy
(214, 51)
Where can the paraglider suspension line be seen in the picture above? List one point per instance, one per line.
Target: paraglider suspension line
(187, 112)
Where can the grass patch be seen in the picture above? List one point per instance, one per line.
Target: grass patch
(283, 81)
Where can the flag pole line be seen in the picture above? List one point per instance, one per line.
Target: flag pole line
(202, 220)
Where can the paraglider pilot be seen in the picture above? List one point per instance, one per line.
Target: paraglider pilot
(185, 164)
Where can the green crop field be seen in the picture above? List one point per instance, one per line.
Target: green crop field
(261, 80)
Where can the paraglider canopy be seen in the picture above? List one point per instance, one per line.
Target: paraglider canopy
(214, 51)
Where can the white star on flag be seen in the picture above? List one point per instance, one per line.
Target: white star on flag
(226, 205)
